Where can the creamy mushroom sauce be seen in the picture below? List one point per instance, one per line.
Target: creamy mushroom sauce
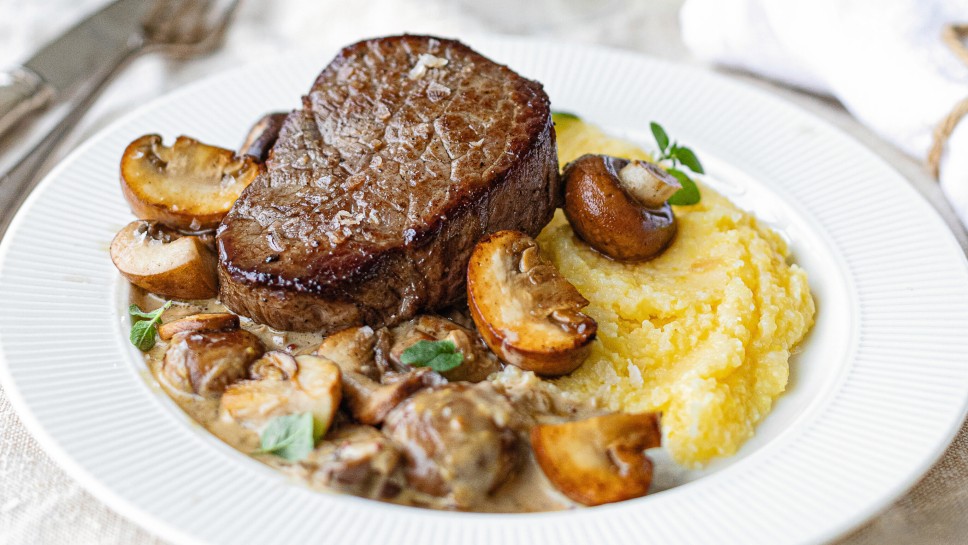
(527, 490)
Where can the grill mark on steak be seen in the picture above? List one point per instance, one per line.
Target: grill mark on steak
(378, 188)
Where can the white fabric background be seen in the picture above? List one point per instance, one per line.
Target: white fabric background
(883, 60)
(41, 505)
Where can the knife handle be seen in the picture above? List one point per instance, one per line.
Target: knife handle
(22, 92)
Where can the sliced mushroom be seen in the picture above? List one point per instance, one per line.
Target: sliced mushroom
(221, 321)
(370, 395)
(164, 262)
(524, 309)
(598, 460)
(314, 387)
(478, 362)
(274, 365)
(356, 460)
(188, 186)
(262, 136)
(205, 363)
(618, 207)
(457, 440)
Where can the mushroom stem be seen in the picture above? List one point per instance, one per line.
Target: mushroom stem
(648, 183)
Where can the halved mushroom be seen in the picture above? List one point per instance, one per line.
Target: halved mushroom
(205, 363)
(162, 261)
(262, 136)
(598, 460)
(370, 396)
(222, 321)
(188, 186)
(619, 206)
(314, 387)
(524, 309)
(478, 362)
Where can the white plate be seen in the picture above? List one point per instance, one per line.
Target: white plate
(876, 394)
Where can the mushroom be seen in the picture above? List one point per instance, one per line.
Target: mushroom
(457, 441)
(356, 460)
(314, 387)
(619, 206)
(478, 362)
(524, 309)
(370, 396)
(188, 186)
(162, 261)
(222, 321)
(262, 136)
(601, 459)
(205, 363)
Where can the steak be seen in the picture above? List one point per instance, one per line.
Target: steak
(407, 151)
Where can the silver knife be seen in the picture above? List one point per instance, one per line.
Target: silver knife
(66, 65)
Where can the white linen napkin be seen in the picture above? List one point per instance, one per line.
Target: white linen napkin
(883, 59)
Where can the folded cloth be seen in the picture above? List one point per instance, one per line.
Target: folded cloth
(884, 60)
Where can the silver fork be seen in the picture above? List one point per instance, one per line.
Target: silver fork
(179, 28)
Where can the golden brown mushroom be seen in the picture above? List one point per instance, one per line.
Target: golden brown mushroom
(619, 206)
(205, 363)
(189, 186)
(162, 261)
(524, 309)
(314, 387)
(478, 362)
(221, 321)
(601, 459)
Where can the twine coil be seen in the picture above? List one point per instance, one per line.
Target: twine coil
(954, 37)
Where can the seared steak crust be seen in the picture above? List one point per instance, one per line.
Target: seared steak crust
(378, 189)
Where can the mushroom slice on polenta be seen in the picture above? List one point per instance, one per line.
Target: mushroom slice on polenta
(524, 309)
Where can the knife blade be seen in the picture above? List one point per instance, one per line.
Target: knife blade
(65, 65)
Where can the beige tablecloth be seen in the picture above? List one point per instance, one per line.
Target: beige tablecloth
(41, 505)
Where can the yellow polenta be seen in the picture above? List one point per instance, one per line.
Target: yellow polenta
(703, 333)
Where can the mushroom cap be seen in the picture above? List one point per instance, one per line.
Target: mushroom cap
(478, 360)
(524, 309)
(206, 363)
(456, 440)
(601, 459)
(162, 261)
(188, 186)
(610, 219)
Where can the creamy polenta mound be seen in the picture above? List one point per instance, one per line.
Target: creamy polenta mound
(703, 333)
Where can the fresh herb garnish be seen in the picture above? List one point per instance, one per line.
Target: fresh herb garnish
(441, 356)
(676, 155)
(145, 326)
(291, 437)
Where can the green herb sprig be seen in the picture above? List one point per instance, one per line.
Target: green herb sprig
(671, 151)
(291, 437)
(441, 356)
(145, 326)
